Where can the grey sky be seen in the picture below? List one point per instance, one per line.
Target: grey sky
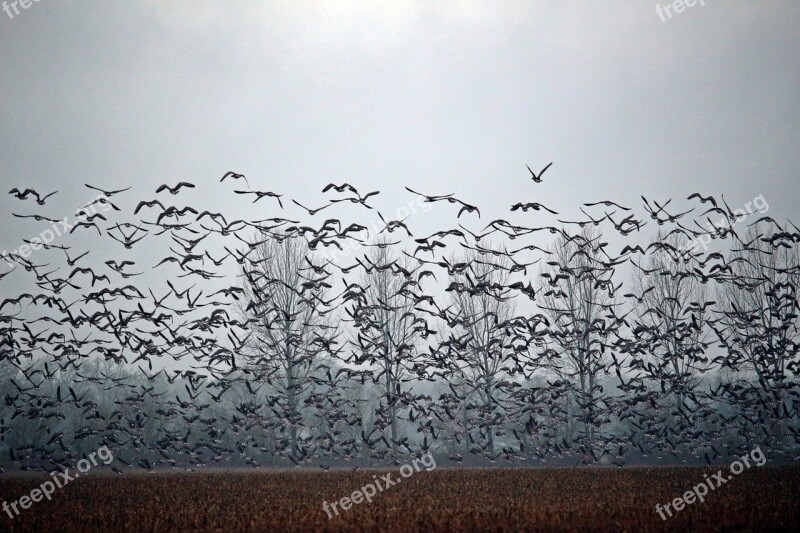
(443, 97)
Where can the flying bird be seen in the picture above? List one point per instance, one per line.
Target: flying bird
(531, 205)
(534, 177)
(340, 188)
(607, 203)
(312, 212)
(176, 189)
(234, 175)
(107, 193)
(24, 195)
(261, 194)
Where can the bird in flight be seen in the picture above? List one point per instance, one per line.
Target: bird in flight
(24, 195)
(531, 205)
(534, 177)
(261, 194)
(312, 212)
(235, 176)
(434, 198)
(607, 203)
(359, 200)
(176, 189)
(340, 188)
(107, 193)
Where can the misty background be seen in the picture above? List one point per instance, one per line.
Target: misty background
(447, 98)
(451, 97)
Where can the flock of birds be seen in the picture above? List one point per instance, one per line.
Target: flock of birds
(252, 342)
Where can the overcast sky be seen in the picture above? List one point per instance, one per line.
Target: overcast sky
(445, 97)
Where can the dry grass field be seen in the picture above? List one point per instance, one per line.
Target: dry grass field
(590, 499)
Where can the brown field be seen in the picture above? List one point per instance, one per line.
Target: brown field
(589, 499)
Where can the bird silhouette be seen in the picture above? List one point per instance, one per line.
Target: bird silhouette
(538, 178)
(176, 188)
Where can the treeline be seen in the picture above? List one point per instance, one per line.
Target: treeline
(524, 345)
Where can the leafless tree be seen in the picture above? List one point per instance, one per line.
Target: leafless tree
(387, 330)
(476, 352)
(577, 295)
(758, 323)
(670, 313)
(291, 333)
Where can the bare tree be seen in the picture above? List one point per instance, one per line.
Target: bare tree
(758, 319)
(475, 354)
(577, 295)
(291, 333)
(670, 319)
(387, 330)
